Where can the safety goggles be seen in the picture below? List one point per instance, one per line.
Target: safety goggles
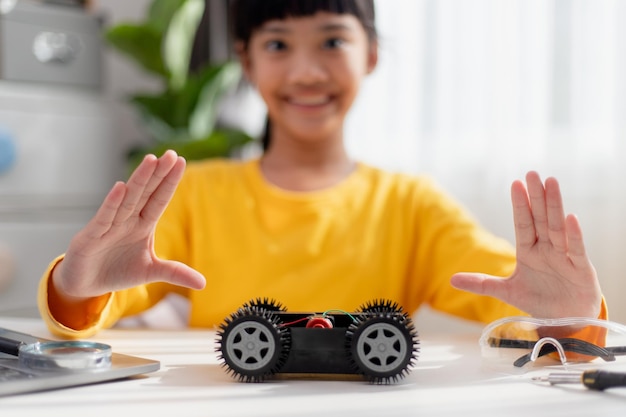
(519, 341)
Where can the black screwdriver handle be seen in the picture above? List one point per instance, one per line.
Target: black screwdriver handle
(601, 380)
(10, 346)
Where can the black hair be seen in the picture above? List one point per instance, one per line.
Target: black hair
(249, 15)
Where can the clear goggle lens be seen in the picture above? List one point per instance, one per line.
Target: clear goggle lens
(520, 342)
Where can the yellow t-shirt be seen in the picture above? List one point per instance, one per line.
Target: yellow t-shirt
(374, 235)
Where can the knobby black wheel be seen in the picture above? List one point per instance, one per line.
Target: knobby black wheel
(382, 346)
(251, 344)
(381, 306)
(266, 304)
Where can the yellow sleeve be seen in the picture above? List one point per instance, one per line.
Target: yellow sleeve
(591, 334)
(75, 324)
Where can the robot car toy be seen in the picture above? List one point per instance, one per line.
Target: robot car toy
(262, 340)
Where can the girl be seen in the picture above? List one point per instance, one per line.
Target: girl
(305, 224)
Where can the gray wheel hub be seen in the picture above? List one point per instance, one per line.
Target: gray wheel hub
(250, 345)
(382, 347)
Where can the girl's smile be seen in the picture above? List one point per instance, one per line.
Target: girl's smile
(309, 101)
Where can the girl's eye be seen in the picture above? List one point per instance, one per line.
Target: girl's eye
(333, 43)
(275, 45)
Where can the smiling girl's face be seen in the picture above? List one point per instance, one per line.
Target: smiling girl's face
(308, 70)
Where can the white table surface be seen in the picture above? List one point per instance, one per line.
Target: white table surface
(449, 379)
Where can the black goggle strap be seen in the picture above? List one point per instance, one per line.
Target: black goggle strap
(569, 345)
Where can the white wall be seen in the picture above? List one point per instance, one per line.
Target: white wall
(121, 76)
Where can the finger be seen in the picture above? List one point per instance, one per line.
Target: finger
(536, 193)
(161, 197)
(483, 284)
(103, 219)
(164, 165)
(525, 233)
(576, 245)
(135, 185)
(555, 215)
(178, 273)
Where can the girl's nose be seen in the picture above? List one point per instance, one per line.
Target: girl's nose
(306, 68)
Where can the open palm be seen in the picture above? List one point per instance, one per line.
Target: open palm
(554, 276)
(115, 249)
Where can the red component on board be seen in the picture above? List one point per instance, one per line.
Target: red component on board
(319, 322)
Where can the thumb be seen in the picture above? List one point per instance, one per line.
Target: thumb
(479, 283)
(178, 273)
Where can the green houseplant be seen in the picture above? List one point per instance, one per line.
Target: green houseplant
(183, 115)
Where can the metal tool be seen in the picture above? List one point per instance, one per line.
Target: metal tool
(592, 379)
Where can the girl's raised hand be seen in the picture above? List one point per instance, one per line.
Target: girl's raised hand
(554, 276)
(115, 249)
